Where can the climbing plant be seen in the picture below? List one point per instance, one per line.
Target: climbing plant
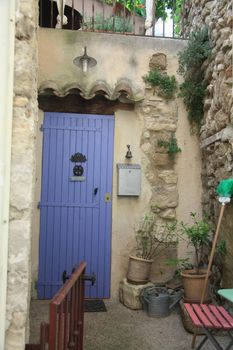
(171, 145)
(167, 84)
(191, 61)
(176, 15)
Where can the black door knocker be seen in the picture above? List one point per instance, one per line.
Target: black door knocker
(78, 168)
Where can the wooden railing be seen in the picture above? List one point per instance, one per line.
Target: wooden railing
(66, 316)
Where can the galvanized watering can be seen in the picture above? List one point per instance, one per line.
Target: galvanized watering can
(158, 302)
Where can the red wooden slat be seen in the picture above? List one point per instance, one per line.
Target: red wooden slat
(204, 320)
(44, 335)
(80, 313)
(224, 323)
(52, 326)
(66, 325)
(211, 316)
(226, 315)
(192, 314)
(60, 327)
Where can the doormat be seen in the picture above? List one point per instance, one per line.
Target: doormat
(94, 305)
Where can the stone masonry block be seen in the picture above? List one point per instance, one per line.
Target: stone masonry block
(129, 294)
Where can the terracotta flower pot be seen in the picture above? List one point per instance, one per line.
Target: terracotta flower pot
(138, 270)
(193, 285)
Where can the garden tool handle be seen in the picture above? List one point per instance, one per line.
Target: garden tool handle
(210, 264)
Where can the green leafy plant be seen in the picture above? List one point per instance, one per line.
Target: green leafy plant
(191, 61)
(179, 265)
(129, 4)
(176, 15)
(149, 243)
(114, 24)
(197, 235)
(167, 84)
(171, 146)
(139, 6)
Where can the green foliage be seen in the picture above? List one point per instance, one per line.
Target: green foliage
(176, 15)
(197, 235)
(114, 24)
(193, 88)
(171, 146)
(149, 243)
(161, 6)
(179, 264)
(166, 83)
(129, 4)
(221, 250)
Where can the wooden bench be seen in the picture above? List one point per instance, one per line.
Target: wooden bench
(212, 319)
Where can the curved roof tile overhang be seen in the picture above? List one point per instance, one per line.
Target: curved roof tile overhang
(123, 90)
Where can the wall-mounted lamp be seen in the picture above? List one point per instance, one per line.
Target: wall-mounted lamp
(85, 61)
(128, 153)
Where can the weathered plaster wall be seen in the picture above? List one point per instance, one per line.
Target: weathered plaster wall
(22, 175)
(217, 155)
(124, 58)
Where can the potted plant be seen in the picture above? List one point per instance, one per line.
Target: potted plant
(197, 234)
(149, 244)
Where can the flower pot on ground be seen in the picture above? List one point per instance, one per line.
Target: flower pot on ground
(198, 236)
(149, 244)
(193, 284)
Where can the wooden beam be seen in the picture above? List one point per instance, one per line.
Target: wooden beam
(223, 135)
(77, 104)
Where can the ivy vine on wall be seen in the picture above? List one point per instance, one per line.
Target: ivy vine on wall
(167, 84)
(193, 88)
(171, 145)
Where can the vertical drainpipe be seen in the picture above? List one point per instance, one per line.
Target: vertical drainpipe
(7, 42)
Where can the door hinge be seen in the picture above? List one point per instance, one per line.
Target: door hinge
(38, 205)
(42, 127)
(91, 278)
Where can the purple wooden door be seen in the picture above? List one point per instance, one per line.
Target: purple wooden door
(76, 213)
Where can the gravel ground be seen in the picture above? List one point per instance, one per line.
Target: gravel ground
(123, 329)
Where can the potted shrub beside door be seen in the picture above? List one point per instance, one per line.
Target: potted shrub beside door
(198, 236)
(149, 244)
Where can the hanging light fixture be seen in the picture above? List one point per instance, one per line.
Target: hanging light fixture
(85, 61)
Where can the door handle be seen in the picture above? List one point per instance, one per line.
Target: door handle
(95, 191)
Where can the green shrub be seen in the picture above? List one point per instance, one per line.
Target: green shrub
(171, 146)
(167, 84)
(191, 61)
(113, 24)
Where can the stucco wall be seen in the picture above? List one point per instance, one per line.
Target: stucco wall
(124, 58)
(22, 175)
(217, 151)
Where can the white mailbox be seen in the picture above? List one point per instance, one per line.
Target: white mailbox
(129, 179)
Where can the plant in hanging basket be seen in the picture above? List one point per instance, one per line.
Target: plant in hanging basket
(149, 244)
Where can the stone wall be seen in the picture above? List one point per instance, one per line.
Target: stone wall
(160, 117)
(217, 149)
(22, 174)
